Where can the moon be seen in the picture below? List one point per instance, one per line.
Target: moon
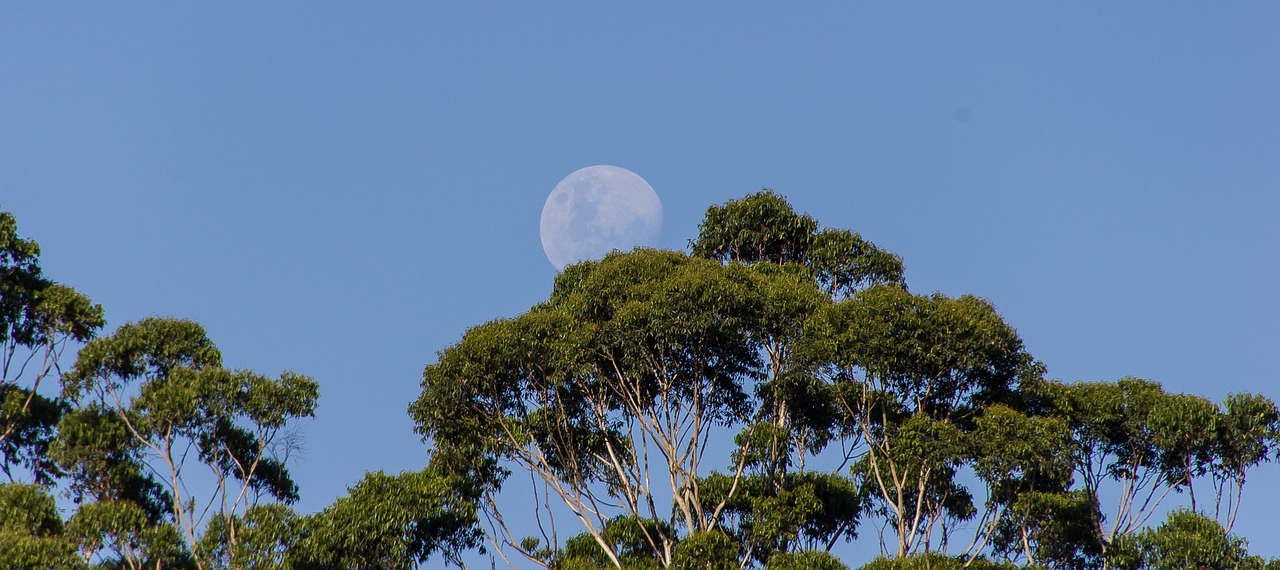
(596, 210)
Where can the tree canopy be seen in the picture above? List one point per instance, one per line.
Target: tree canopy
(756, 402)
(780, 390)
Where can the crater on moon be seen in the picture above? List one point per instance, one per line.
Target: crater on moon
(598, 209)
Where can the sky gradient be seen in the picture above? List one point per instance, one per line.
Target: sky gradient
(341, 190)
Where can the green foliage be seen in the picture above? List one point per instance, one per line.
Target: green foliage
(763, 227)
(1016, 453)
(759, 227)
(1247, 434)
(264, 538)
(1116, 440)
(635, 541)
(1183, 433)
(392, 522)
(810, 509)
(33, 309)
(805, 560)
(799, 337)
(140, 352)
(1151, 442)
(104, 461)
(20, 551)
(912, 374)
(28, 509)
(648, 342)
(794, 337)
(148, 393)
(38, 319)
(122, 534)
(1026, 463)
(935, 355)
(1185, 540)
(798, 270)
(649, 313)
(705, 550)
(1061, 529)
(935, 561)
(31, 531)
(29, 422)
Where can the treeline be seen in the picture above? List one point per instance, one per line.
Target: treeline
(171, 460)
(756, 403)
(857, 410)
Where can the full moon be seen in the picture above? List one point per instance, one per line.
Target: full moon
(596, 210)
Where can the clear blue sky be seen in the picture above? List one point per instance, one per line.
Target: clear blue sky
(341, 189)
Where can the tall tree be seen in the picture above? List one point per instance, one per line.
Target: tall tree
(615, 383)
(153, 392)
(801, 268)
(1130, 432)
(39, 319)
(1247, 434)
(1183, 431)
(797, 336)
(913, 374)
(1025, 464)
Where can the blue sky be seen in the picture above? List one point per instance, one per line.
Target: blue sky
(341, 189)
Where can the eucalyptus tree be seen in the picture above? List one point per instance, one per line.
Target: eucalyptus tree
(122, 534)
(1110, 423)
(39, 320)
(616, 394)
(806, 268)
(804, 511)
(1146, 444)
(626, 536)
(1055, 529)
(1183, 431)
(607, 395)
(912, 374)
(805, 560)
(1187, 539)
(153, 401)
(1024, 461)
(801, 268)
(645, 354)
(1247, 433)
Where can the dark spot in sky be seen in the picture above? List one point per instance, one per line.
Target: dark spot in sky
(962, 114)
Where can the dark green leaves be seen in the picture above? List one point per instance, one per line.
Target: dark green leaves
(388, 522)
(1185, 540)
(154, 401)
(619, 336)
(35, 310)
(31, 531)
(763, 227)
(146, 350)
(120, 532)
(38, 319)
(937, 355)
(759, 227)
